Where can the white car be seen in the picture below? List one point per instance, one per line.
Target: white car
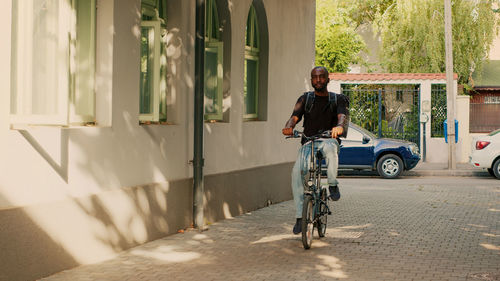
(486, 153)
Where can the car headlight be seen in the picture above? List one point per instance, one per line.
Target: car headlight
(413, 149)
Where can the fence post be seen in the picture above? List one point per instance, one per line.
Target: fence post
(379, 112)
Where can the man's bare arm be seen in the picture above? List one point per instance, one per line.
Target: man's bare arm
(290, 124)
(339, 129)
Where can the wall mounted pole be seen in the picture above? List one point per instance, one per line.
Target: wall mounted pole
(198, 161)
(450, 87)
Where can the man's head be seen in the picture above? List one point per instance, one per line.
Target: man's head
(319, 78)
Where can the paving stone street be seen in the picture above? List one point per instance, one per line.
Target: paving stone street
(414, 228)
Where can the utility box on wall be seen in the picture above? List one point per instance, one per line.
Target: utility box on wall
(446, 131)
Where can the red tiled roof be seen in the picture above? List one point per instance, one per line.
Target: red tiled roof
(388, 76)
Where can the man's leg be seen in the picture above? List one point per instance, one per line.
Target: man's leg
(298, 173)
(330, 150)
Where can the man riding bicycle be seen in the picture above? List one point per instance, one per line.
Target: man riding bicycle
(322, 111)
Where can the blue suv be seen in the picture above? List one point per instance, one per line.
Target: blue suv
(363, 150)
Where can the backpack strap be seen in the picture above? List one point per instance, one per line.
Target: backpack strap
(332, 101)
(309, 101)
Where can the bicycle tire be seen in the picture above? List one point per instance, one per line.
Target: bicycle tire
(307, 221)
(323, 215)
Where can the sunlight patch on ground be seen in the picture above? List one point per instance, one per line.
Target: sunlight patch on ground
(490, 247)
(273, 238)
(166, 253)
(201, 238)
(494, 210)
(330, 267)
(354, 226)
(320, 244)
(477, 225)
(490, 235)
(343, 234)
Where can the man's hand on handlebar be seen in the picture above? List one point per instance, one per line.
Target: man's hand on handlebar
(337, 131)
(287, 131)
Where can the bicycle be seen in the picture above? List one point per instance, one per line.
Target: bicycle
(315, 205)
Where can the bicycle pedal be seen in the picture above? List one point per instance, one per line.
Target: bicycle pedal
(329, 212)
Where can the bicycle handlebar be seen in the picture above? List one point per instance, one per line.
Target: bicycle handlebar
(298, 134)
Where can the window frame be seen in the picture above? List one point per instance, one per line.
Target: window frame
(155, 27)
(251, 53)
(66, 66)
(91, 106)
(216, 47)
(214, 44)
(151, 8)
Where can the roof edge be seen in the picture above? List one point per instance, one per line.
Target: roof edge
(388, 76)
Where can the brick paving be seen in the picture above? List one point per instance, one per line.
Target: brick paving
(405, 229)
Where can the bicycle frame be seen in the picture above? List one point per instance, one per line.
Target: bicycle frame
(314, 187)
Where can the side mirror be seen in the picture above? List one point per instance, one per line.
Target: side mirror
(366, 139)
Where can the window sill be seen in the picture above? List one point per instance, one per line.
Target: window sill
(147, 123)
(253, 120)
(71, 126)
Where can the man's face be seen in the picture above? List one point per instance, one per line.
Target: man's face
(319, 79)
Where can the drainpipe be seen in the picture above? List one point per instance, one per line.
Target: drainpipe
(198, 161)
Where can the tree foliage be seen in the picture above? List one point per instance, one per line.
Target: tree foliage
(369, 11)
(337, 43)
(412, 33)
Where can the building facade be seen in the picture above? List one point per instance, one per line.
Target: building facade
(96, 120)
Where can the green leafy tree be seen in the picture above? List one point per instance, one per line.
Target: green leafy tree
(368, 11)
(412, 33)
(337, 43)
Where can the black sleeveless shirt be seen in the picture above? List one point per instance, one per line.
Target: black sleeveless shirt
(321, 117)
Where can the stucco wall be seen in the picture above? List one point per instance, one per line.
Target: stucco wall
(437, 148)
(90, 192)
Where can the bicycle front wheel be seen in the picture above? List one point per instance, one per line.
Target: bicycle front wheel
(307, 221)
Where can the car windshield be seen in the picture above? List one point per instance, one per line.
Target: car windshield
(364, 131)
(494, 132)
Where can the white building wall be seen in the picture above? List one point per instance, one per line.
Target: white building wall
(92, 159)
(93, 191)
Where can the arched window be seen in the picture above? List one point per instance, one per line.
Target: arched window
(251, 87)
(213, 63)
(153, 81)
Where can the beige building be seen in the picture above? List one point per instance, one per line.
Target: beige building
(96, 120)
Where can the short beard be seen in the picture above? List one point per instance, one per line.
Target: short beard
(319, 89)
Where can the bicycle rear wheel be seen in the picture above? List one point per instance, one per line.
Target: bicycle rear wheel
(307, 221)
(323, 215)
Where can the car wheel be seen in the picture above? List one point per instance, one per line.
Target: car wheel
(390, 166)
(490, 171)
(496, 168)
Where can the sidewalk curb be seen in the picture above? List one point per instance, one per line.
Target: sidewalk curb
(446, 173)
(421, 173)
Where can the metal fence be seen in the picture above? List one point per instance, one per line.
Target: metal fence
(484, 114)
(386, 110)
(438, 110)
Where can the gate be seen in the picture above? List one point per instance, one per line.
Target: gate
(390, 111)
